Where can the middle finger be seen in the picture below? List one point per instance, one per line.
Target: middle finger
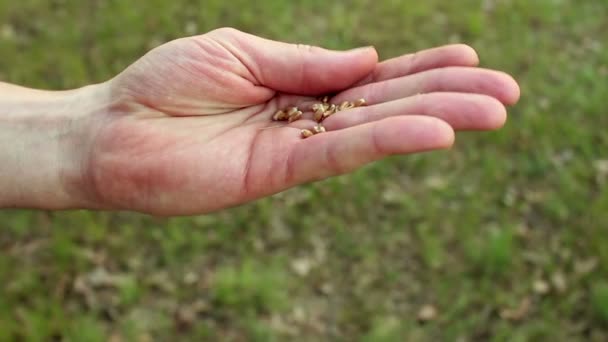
(452, 79)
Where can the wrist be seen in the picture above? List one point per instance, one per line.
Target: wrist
(44, 144)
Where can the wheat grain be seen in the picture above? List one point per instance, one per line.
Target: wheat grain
(305, 133)
(318, 114)
(291, 111)
(321, 111)
(280, 115)
(318, 129)
(295, 116)
(360, 103)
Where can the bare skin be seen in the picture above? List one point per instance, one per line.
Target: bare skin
(187, 129)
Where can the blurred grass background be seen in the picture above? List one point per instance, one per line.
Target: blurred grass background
(503, 238)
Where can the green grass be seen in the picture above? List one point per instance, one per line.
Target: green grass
(468, 230)
(251, 285)
(600, 301)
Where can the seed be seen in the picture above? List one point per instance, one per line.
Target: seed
(279, 116)
(360, 103)
(296, 116)
(291, 111)
(305, 133)
(330, 111)
(318, 129)
(317, 106)
(318, 115)
(321, 110)
(346, 105)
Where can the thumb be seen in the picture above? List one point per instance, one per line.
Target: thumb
(295, 68)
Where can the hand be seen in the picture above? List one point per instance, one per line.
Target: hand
(190, 130)
(187, 128)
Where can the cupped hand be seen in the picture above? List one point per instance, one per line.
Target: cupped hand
(189, 129)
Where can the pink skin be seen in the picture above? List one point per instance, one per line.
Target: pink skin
(189, 127)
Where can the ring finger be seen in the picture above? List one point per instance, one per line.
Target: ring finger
(461, 111)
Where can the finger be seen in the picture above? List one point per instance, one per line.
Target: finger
(296, 68)
(453, 79)
(440, 57)
(342, 151)
(461, 111)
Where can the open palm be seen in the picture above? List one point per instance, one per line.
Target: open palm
(190, 128)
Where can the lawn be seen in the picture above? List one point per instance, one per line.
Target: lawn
(502, 238)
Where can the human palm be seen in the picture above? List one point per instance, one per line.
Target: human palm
(190, 129)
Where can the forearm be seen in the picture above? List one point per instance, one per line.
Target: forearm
(43, 145)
